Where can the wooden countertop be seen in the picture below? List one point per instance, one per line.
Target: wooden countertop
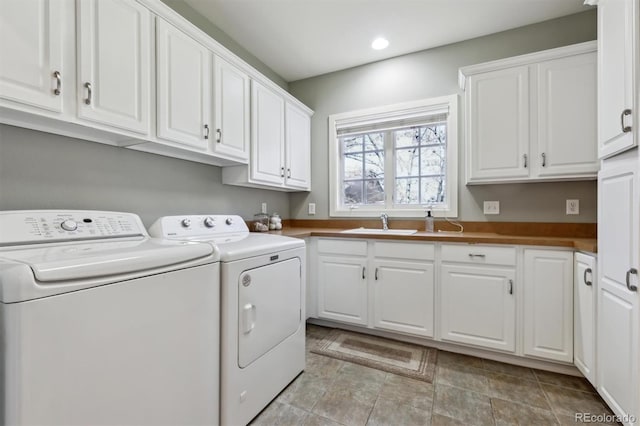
(582, 244)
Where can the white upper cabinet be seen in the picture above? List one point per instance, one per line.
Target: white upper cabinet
(566, 130)
(31, 53)
(616, 32)
(532, 117)
(114, 56)
(231, 106)
(184, 88)
(267, 135)
(298, 146)
(548, 304)
(497, 114)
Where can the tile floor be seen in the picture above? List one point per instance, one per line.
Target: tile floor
(466, 391)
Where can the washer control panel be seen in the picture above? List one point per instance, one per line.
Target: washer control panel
(192, 226)
(30, 227)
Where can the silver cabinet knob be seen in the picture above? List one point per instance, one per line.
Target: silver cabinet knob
(69, 225)
(209, 222)
(229, 221)
(186, 223)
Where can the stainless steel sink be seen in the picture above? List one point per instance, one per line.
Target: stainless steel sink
(380, 231)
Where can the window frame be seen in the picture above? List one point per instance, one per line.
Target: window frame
(381, 114)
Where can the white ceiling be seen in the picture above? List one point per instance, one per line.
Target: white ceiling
(303, 38)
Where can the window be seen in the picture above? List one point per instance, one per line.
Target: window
(399, 159)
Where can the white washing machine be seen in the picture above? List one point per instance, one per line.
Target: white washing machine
(102, 325)
(262, 312)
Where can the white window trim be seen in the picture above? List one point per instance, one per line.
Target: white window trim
(426, 105)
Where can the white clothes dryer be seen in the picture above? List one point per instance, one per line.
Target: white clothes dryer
(100, 324)
(262, 311)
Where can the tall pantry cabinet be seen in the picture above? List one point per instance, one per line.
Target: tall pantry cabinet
(618, 300)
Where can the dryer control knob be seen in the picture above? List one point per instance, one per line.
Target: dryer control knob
(209, 222)
(69, 225)
(186, 223)
(229, 221)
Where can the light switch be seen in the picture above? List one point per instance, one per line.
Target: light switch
(312, 209)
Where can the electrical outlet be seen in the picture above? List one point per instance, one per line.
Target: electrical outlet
(312, 208)
(492, 207)
(573, 206)
(264, 208)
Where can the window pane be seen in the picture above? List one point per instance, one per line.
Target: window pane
(432, 160)
(407, 191)
(432, 190)
(375, 191)
(407, 162)
(353, 166)
(352, 192)
(405, 137)
(435, 134)
(373, 141)
(374, 164)
(352, 144)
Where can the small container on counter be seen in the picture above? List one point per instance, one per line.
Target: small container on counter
(275, 222)
(260, 222)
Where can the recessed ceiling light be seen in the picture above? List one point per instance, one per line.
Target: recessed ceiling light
(379, 43)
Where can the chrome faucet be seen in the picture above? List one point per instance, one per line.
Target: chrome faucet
(385, 221)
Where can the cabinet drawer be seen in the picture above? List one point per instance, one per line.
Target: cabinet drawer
(472, 253)
(340, 246)
(394, 250)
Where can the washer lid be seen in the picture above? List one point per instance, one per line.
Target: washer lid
(100, 259)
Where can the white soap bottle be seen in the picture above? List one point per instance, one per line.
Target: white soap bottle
(428, 222)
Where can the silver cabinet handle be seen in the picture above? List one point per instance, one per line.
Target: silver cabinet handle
(525, 160)
(218, 135)
(363, 269)
(544, 160)
(477, 255)
(281, 171)
(586, 281)
(376, 274)
(289, 173)
(89, 93)
(625, 129)
(510, 286)
(206, 131)
(631, 287)
(58, 77)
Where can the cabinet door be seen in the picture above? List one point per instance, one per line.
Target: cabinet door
(403, 295)
(584, 315)
(615, 64)
(548, 304)
(267, 135)
(478, 306)
(342, 289)
(114, 56)
(184, 88)
(618, 305)
(231, 94)
(31, 51)
(498, 125)
(566, 130)
(298, 145)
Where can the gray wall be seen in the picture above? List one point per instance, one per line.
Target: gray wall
(221, 37)
(45, 171)
(433, 73)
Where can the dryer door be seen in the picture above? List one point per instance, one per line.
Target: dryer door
(269, 308)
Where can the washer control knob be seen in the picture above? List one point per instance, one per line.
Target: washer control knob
(229, 221)
(186, 223)
(209, 222)
(69, 225)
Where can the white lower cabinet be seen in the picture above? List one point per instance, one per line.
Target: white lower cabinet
(584, 315)
(342, 289)
(548, 304)
(477, 305)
